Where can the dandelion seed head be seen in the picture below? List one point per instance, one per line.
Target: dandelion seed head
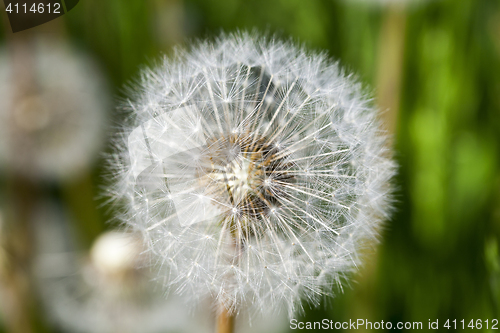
(290, 180)
(52, 124)
(105, 290)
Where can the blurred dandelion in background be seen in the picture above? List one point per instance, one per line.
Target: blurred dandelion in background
(108, 288)
(53, 112)
(104, 290)
(256, 172)
(54, 127)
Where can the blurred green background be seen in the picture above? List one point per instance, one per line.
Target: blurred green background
(435, 64)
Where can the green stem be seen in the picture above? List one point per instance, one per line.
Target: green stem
(390, 65)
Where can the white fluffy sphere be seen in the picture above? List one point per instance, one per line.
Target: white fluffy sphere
(255, 170)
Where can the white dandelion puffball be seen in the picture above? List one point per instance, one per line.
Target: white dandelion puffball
(105, 290)
(54, 128)
(255, 170)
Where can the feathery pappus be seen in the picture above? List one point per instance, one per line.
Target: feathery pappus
(256, 171)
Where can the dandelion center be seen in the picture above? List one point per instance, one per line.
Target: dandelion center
(240, 171)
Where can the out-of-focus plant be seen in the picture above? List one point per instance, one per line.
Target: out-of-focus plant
(53, 114)
(108, 288)
(104, 290)
(52, 119)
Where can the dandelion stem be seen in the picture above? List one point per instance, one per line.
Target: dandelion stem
(225, 321)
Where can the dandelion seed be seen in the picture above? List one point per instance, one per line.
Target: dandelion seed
(306, 171)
